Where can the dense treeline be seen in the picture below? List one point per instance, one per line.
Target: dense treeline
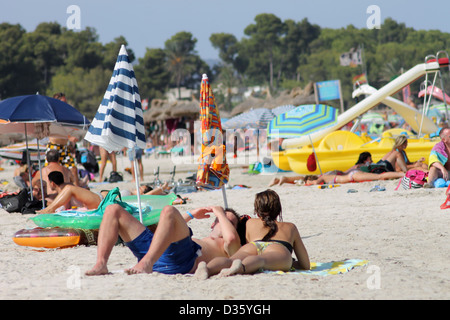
(280, 54)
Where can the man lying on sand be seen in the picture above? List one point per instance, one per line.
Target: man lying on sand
(171, 248)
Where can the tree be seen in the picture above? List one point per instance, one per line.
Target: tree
(84, 89)
(18, 74)
(151, 74)
(264, 40)
(180, 55)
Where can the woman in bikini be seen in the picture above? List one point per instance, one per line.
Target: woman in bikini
(397, 160)
(364, 159)
(270, 244)
(355, 176)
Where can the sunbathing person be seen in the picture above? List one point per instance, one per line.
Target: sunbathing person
(364, 159)
(171, 248)
(149, 190)
(270, 244)
(69, 195)
(292, 180)
(144, 190)
(355, 176)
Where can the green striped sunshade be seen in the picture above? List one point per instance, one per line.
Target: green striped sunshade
(302, 120)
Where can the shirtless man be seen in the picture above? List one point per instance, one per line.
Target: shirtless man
(170, 249)
(70, 195)
(52, 157)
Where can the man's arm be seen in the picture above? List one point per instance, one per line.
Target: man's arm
(231, 240)
(199, 213)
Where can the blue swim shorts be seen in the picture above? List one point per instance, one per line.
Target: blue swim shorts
(131, 153)
(179, 257)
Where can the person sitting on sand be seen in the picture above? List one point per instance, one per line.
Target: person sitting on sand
(438, 163)
(70, 195)
(171, 248)
(53, 164)
(270, 244)
(400, 144)
(396, 160)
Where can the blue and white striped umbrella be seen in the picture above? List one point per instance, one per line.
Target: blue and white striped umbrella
(119, 120)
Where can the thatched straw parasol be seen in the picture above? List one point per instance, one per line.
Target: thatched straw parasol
(185, 109)
(156, 108)
(295, 97)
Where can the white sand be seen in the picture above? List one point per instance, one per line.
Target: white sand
(403, 234)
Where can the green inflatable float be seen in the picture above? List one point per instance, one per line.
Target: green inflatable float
(151, 206)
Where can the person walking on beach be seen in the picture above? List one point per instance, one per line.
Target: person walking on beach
(171, 248)
(136, 153)
(104, 156)
(270, 244)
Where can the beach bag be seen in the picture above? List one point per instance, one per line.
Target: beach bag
(413, 179)
(31, 206)
(115, 177)
(14, 202)
(374, 168)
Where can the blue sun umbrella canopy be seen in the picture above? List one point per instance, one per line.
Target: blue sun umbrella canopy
(302, 120)
(252, 119)
(119, 120)
(36, 108)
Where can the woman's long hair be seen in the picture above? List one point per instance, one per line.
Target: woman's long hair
(268, 209)
(363, 156)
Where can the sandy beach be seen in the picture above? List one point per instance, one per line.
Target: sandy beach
(403, 234)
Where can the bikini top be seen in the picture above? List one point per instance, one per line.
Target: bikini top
(284, 243)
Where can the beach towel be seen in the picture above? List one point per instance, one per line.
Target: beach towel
(327, 268)
(438, 154)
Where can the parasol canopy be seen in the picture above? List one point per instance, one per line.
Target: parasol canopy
(213, 170)
(302, 120)
(119, 121)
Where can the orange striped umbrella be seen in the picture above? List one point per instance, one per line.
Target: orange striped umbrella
(213, 170)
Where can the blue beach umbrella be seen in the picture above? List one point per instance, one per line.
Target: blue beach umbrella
(302, 120)
(282, 109)
(119, 120)
(36, 110)
(252, 119)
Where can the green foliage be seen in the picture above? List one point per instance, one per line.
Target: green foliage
(281, 54)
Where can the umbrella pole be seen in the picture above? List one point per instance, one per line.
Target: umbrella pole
(136, 177)
(315, 154)
(40, 172)
(224, 193)
(28, 161)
